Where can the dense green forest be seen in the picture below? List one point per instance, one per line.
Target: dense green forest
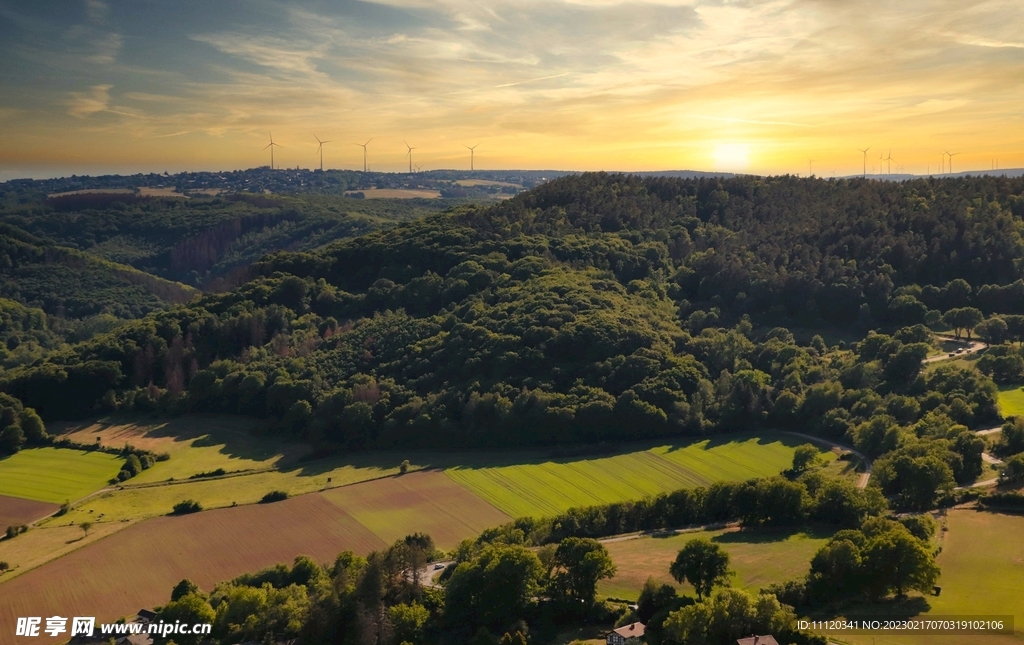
(203, 238)
(599, 309)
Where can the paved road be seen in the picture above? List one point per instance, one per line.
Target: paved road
(428, 572)
(969, 347)
(862, 482)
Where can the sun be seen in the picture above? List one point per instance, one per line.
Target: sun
(731, 156)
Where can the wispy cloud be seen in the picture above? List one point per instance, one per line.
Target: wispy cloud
(84, 104)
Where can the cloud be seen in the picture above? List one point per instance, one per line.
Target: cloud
(85, 104)
(96, 11)
(105, 49)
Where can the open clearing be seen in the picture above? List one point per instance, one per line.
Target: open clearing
(1011, 400)
(196, 444)
(56, 475)
(15, 511)
(553, 486)
(396, 193)
(138, 567)
(424, 502)
(759, 557)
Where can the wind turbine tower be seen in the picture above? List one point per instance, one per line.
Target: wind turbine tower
(272, 145)
(888, 159)
(409, 154)
(363, 146)
(472, 150)
(865, 153)
(320, 150)
(951, 155)
(810, 167)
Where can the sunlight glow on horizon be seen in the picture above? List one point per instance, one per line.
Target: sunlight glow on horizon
(581, 85)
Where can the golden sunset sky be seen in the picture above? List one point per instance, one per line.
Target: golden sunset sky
(761, 87)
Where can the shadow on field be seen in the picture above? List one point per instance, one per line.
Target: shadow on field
(768, 535)
(716, 441)
(896, 609)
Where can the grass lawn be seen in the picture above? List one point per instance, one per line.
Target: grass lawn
(56, 475)
(759, 558)
(551, 486)
(1011, 400)
(196, 443)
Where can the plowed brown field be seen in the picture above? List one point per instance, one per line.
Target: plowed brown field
(15, 511)
(138, 567)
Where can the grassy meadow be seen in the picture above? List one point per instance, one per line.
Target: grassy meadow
(56, 475)
(759, 558)
(1011, 400)
(195, 443)
(548, 487)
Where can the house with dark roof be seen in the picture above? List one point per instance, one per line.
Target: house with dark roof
(758, 640)
(626, 635)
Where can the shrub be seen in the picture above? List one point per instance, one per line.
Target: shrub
(187, 506)
(4, 566)
(211, 473)
(274, 496)
(404, 468)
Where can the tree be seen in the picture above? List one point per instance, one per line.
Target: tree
(804, 457)
(408, 621)
(727, 616)
(580, 563)
(494, 589)
(1011, 440)
(85, 526)
(184, 588)
(993, 331)
(963, 319)
(1013, 469)
(703, 564)
(189, 609)
(897, 561)
(836, 571)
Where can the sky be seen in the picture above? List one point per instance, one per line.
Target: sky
(764, 87)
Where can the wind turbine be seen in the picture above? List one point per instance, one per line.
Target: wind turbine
(471, 153)
(888, 159)
(363, 146)
(951, 155)
(272, 145)
(810, 167)
(865, 152)
(409, 154)
(320, 149)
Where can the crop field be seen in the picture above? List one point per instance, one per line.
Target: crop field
(196, 444)
(15, 511)
(426, 502)
(551, 487)
(56, 475)
(759, 557)
(1011, 400)
(138, 566)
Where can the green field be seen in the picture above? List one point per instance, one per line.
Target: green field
(549, 487)
(56, 475)
(759, 558)
(1011, 400)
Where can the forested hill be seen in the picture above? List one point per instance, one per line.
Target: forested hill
(594, 308)
(781, 249)
(203, 240)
